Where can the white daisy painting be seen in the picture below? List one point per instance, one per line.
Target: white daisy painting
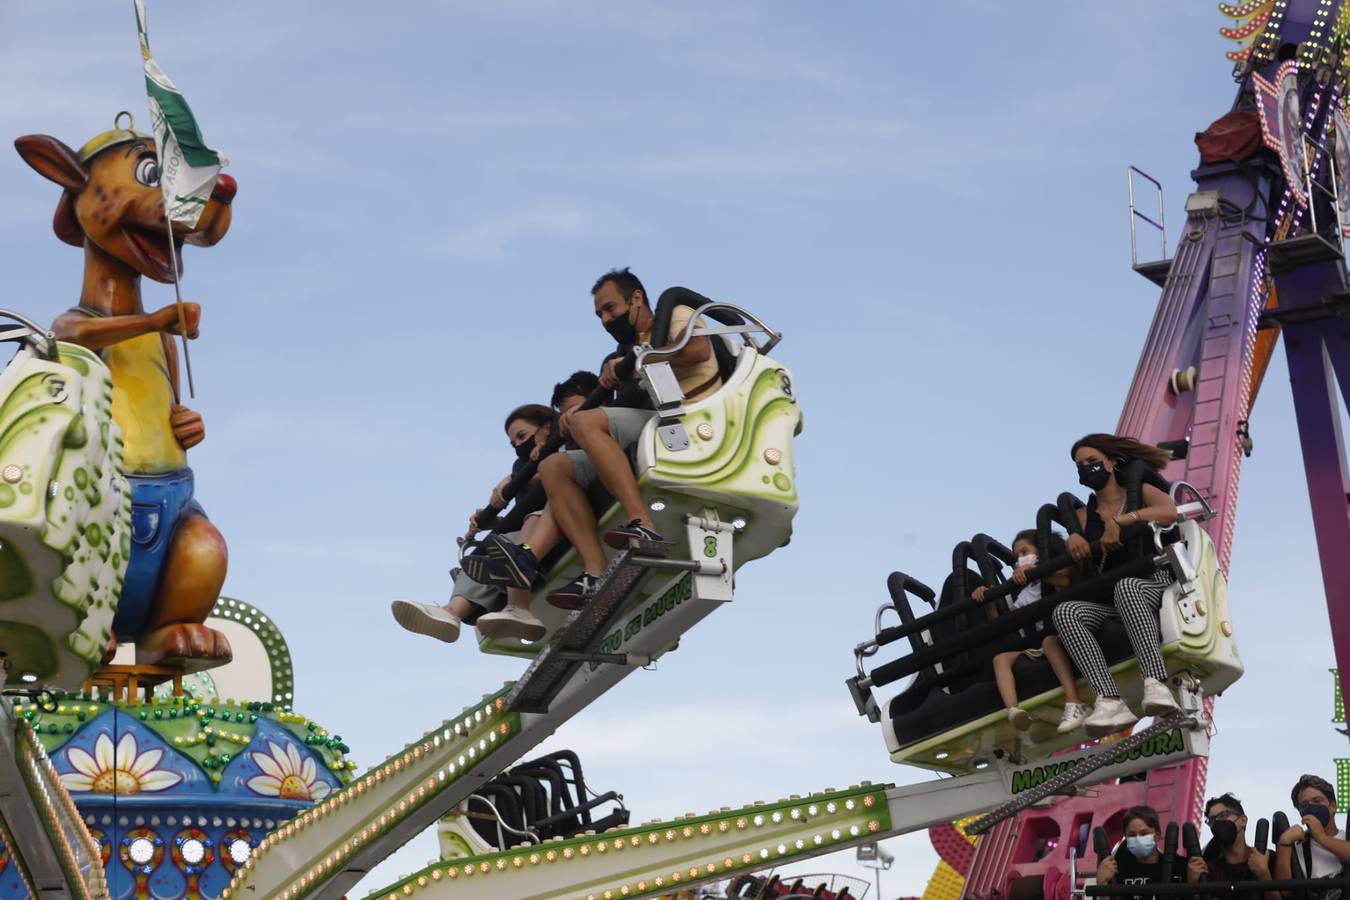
(123, 769)
(286, 774)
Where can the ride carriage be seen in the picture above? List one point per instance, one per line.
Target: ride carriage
(65, 509)
(949, 716)
(723, 463)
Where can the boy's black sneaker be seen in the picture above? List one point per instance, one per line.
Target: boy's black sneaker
(619, 538)
(575, 594)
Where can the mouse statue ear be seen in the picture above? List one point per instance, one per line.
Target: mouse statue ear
(56, 162)
(53, 160)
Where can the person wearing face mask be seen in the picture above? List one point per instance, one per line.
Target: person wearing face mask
(1227, 856)
(1037, 641)
(470, 600)
(605, 433)
(1313, 848)
(1135, 601)
(1139, 859)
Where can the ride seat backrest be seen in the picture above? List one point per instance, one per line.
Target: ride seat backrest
(957, 589)
(678, 296)
(569, 764)
(508, 808)
(549, 776)
(533, 800)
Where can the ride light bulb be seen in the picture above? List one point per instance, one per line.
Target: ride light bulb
(193, 851)
(141, 851)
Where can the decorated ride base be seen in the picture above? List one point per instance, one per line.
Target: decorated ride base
(177, 791)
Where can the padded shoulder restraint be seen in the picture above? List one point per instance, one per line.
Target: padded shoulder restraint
(1138, 473)
(681, 296)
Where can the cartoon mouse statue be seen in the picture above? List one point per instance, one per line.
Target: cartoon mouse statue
(112, 206)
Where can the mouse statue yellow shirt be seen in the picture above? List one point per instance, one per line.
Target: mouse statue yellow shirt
(142, 399)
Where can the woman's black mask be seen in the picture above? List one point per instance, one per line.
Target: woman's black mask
(1093, 475)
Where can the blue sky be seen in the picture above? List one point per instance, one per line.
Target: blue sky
(928, 200)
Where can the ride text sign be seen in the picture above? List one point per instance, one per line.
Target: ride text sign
(1160, 745)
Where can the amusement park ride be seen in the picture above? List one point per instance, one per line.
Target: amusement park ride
(127, 774)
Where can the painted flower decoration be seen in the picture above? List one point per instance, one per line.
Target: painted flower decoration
(123, 770)
(286, 775)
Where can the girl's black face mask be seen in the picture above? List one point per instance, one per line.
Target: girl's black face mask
(1093, 475)
(525, 448)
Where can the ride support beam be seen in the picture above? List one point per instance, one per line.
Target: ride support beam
(1318, 354)
(657, 858)
(47, 840)
(325, 851)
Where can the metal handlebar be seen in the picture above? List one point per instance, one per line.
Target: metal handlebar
(1179, 486)
(692, 331)
(41, 340)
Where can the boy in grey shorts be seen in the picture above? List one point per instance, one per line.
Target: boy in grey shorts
(625, 426)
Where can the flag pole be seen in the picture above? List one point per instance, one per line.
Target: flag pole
(182, 312)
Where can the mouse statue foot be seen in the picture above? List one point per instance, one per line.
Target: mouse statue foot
(193, 647)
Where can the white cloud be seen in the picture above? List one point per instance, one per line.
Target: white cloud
(491, 238)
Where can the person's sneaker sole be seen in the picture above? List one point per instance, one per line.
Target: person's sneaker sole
(507, 629)
(1101, 731)
(480, 568)
(1158, 709)
(566, 601)
(515, 576)
(1021, 720)
(622, 541)
(415, 619)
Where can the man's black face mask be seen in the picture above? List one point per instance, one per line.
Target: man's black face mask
(1225, 832)
(622, 330)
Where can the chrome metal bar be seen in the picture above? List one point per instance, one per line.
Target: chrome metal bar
(1161, 224)
(35, 336)
(691, 331)
(501, 823)
(702, 567)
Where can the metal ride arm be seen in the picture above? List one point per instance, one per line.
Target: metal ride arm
(659, 857)
(645, 602)
(48, 842)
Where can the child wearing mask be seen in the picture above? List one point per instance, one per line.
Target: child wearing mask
(1075, 710)
(1139, 859)
(1313, 848)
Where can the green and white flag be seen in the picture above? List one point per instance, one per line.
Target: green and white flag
(187, 167)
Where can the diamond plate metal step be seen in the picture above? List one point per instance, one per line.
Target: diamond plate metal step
(549, 671)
